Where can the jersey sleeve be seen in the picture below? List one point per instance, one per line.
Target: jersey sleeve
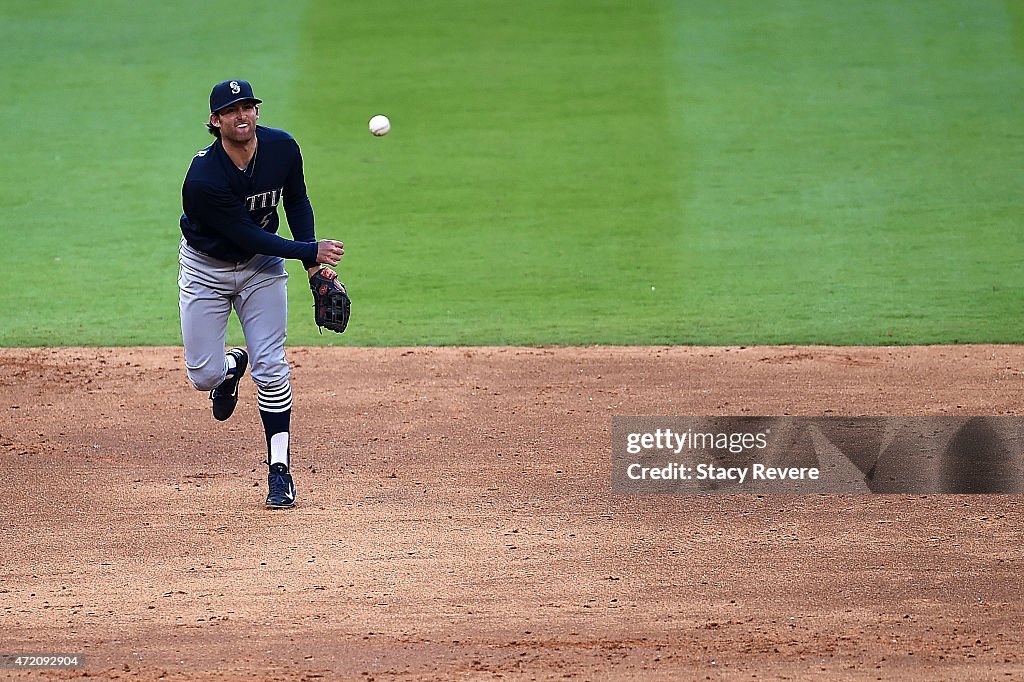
(218, 210)
(297, 207)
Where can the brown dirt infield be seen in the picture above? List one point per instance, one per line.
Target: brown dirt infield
(456, 522)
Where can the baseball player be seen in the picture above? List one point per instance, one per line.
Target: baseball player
(232, 257)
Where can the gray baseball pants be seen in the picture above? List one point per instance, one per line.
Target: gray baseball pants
(257, 290)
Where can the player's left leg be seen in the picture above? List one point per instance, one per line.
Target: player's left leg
(262, 307)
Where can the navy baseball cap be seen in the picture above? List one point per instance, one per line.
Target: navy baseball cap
(229, 92)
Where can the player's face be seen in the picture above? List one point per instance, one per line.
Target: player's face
(237, 122)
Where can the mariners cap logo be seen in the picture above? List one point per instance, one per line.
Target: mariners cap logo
(229, 92)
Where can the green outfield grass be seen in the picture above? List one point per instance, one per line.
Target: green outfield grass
(558, 172)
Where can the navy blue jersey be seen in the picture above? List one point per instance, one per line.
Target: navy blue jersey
(231, 214)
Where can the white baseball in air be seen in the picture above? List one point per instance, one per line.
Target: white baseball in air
(380, 125)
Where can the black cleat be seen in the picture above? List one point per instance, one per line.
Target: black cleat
(225, 396)
(282, 490)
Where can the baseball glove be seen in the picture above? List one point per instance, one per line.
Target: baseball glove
(331, 304)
